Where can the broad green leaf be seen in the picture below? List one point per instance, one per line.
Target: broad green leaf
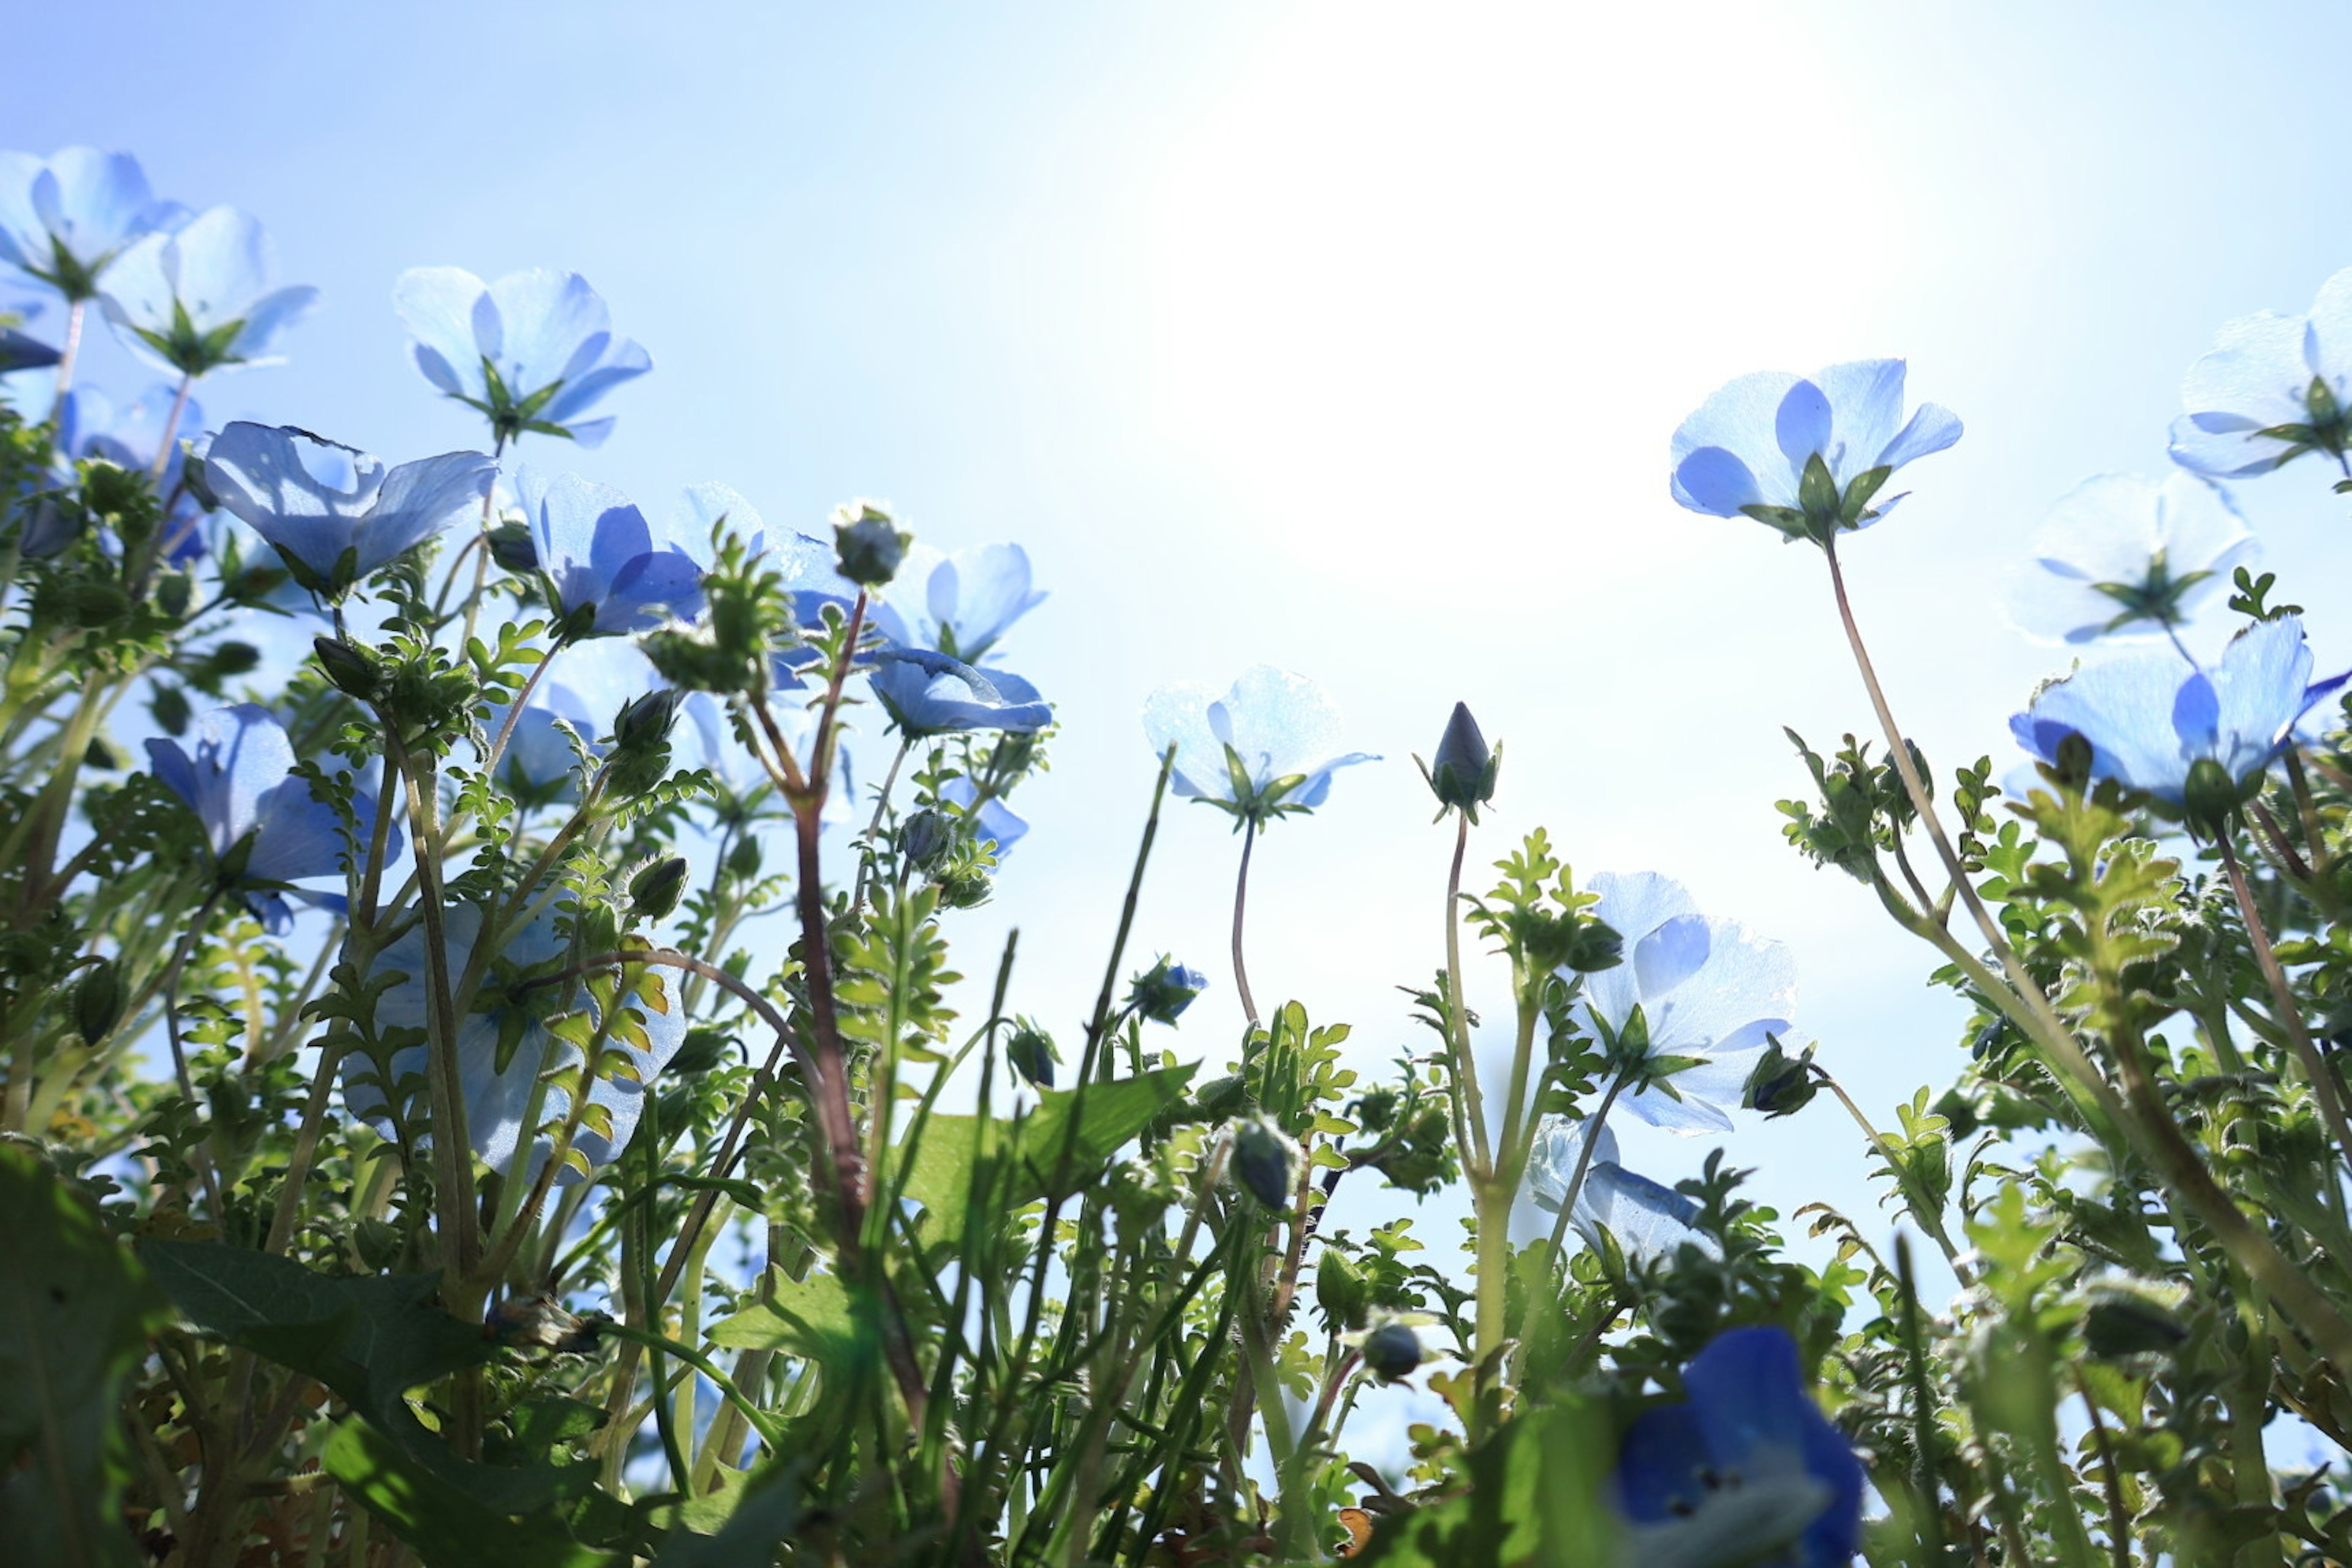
(447, 1528)
(812, 1317)
(74, 1315)
(1536, 1499)
(762, 1511)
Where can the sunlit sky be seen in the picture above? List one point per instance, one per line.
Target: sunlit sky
(1345, 338)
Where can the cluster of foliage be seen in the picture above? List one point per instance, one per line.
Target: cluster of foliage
(419, 1145)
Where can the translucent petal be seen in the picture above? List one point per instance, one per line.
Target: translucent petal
(436, 304)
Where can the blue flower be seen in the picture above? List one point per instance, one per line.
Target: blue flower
(2270, 389)
(1747, 1469)
(63, 221)
(263, 825)
(200, 300)
(607, 574)
(991, 819)
(2122, 556)
(540, 760)
(956, 605)
(533, 352)
(1263, 748)
(1649, 1219)
(1703, 988)
(333, 512)
(2153, 721)
(90, 425)
(930, 694)
(20, 351)
(504, 1043)
(1749, 450)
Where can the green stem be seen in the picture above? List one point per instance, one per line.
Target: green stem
(1241, 905)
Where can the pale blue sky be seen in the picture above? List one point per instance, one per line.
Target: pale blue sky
(1345, 338)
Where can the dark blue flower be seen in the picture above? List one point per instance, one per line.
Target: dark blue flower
(1746, 449)
(63, 220)
(504, 1043)
(608, 573)
(930, 694)
(2151, 719)
(1747, 1471)
(263, 825)
(533, 352)
(199, 299)
(333, 512)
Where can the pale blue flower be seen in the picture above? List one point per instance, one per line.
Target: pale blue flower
(2121, 556)
(1263, 748)
(63, 221)
(607, 572)
(504, 1043)
(2150, 719)
(539, 760)
(1747, 1469)
(991, 819)
(264, 827)
(1705, 988)
(2270, 389)
(200, 300)
(1650, 1220)
(1745, 452)
(533, 352)
(333, 512)
(957, 604)
(930, 694)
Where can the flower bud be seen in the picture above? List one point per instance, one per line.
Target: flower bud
(654, 891)
(1463, 776)
(2210, 796)
(1162, 992)
(1266, 1160)
(97, 1002)
(2122, 1323)
(926, 837)
(645, 722)
(198, 481)
(869, 547)
(512, 547)
(351, 670)
(743, 861)
(1339, 1290)
(1392, 1351)
(1780, 1084)
(1031, 1054)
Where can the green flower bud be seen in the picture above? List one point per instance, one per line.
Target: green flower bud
(1780, 1084)
(744, 861)
(1266, 1160)
(170, 706)
(1162, 992)
(704, 1049)
(511, 546)
(199, 482)
(2123, 1323)
(1391, 1351)
(1030, 1053)
(926, 836)
(654, 891)
(352, 670)
(641, 743)
(97, 1002)
(2210, 796)
(1339, 1290)
(868, 547)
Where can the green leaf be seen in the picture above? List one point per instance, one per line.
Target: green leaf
(1535, 1498)
(814, 1318)
(447, 1528)
(765, 1513)
(74, 1315)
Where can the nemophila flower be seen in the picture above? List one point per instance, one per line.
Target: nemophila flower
(533, 351)
(2197, 740)
(608, 574)
(1262, 749)
(2123, 556)
(199, 299)
(2270, 389)
(991, 819)
(333, 511)
(19, 350)
(957, 604)
(1690, 987)
(1806, 455)
(64, 220)
(505, 1043)
(1747, 1469)
(264, 827)
(930, 694)
(1649, 1219)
